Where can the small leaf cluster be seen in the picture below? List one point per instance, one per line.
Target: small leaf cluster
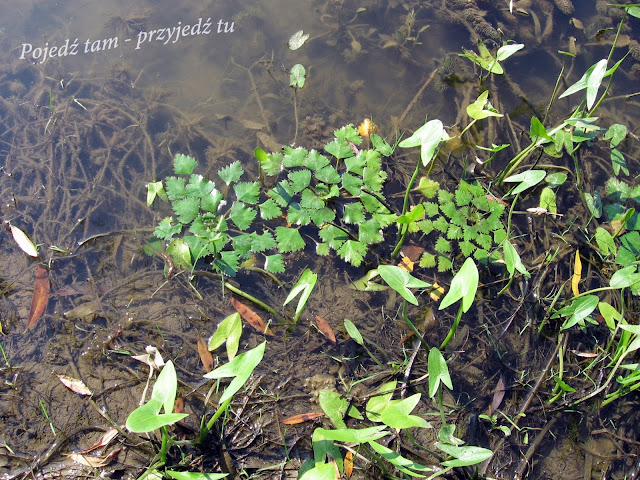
(466, 221)
(341, 195)
(201, 226)
(245, 220)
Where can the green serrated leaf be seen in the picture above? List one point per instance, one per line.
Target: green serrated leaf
(175, 187)
(299, 180)
(247, 192)
(328, 175)
(211, 202)
(322, 216)
(294, 157)
(184, 164)
(231, 173)
(444, 264)
(272, 165)
(353, 213)
(227, 263)
(310, 200)
(186, 209)
(242, 215)
(322, 249)
(289, 239)
(274, 263)
(269, 210)
(348, 133)
(352, 252)
(315, 161)
(352, 184)
(369, 232)
(165, 230)
(298, 215)
(339, 149)
(333, 236)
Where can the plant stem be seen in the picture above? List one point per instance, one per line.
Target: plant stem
(405, 207)
(253, 299)
(413, 328)
(205, 430)
(165, 444)
(453, 329)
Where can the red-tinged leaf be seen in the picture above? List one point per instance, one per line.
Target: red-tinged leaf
(301, 418)
(205, 355)
(325, 329)
(103, 441)
(91, 461)
(40, 296)
(498, 395)
(75, 385)
(251, 317)
(412, 252)
(348, 463)
(178, 407)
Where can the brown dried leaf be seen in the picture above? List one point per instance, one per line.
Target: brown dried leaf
(75, 385)
(302, 417)
(251, 317)
(325, 329)
(40, 296)
(498, 395)
(91, 461)
(178, 407)
(103, 441)
(205, 355)
(411, 251)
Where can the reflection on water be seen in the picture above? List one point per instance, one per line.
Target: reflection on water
(97, 97)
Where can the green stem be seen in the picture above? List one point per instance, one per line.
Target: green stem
(453, 329)
(405, 207)
(467, 128)
(253, 299)
(413, 328)
(204, 431)
(165, 444)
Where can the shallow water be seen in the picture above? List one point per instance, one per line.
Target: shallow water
(82, 134)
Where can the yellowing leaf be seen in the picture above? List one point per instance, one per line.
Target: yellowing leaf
(348, 463)
(577, 274)
(23, 242)
(436, 292)
(75, 385)
(406, 264)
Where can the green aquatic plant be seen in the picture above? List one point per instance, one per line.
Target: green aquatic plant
(467, 221)
(158, 412)
(313, 193)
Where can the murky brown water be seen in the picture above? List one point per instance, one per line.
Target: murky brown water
(82, 134)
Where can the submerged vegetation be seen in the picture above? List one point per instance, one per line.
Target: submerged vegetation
(457, 296)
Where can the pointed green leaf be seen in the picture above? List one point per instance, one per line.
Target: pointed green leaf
(229, 330)
(438, 372)
(401, 281)
(463, 286)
